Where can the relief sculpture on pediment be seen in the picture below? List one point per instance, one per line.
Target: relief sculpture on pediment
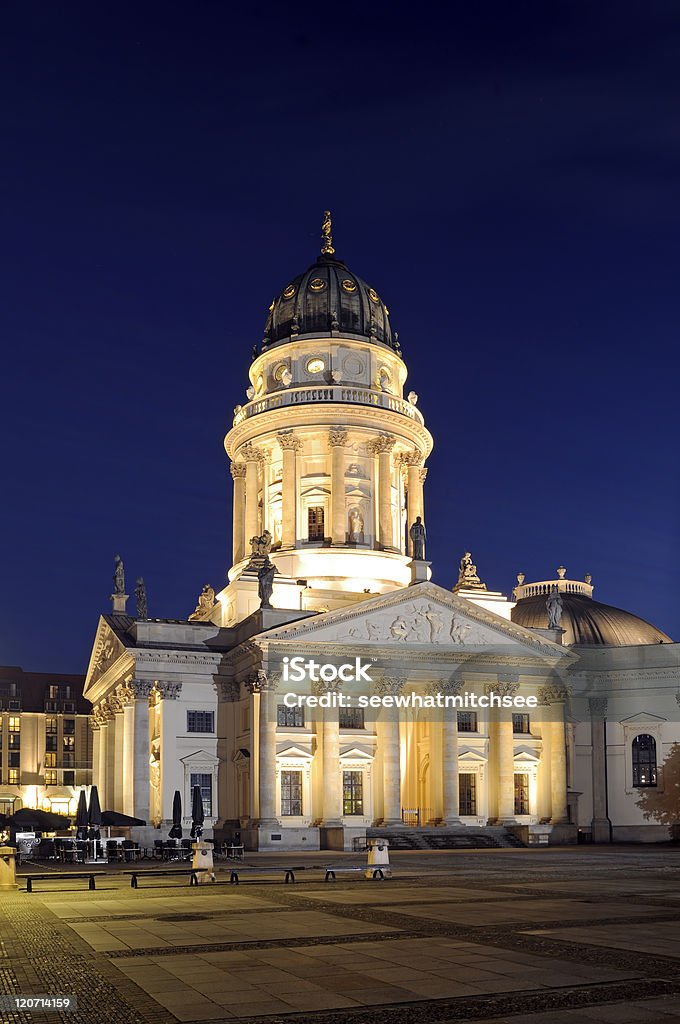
(418, 624)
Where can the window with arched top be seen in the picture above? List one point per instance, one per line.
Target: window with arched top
(644, 760)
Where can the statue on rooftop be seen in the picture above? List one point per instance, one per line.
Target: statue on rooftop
(555, 607)
(206, 600)
(140, 599)
(118, 575)
(418, 536)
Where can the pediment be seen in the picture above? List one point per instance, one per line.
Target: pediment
(294, 751)
(641, 717)
(355, 753)
(423, 616)
(526, 755)
(106, 650)
(470, 755)
(200, 758)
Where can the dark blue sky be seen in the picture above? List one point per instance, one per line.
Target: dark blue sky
(507, 176)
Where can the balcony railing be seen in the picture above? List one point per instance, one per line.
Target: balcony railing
(332, 393)
(546, 587)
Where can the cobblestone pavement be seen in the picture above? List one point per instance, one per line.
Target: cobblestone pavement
(544, 936)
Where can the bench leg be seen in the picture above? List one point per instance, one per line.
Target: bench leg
(90, 883)
(133, 882)
(290, 876)
(233, 878)
(193, 879)
(330, 876)
(378, 875)
(29, 884)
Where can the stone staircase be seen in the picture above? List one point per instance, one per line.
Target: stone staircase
(487, 837)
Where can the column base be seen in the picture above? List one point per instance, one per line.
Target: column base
(392, 823)
(449, 821)
(506, 821)
(601, 829)
(265, 823)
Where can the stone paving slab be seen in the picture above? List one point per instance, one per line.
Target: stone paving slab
(662, 938)
(518, 910)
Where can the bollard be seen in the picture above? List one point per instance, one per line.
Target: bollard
(8, 871)
(202, 861)
(378, 857)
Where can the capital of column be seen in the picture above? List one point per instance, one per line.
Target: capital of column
(337, 437)
(422, 474)
(102, 714)
(504, 687)
(261, 682)
(389, 686)
(412, 458)
(598, 706)
(553, 694)
(289, 441)
(141, 689)
(449, 687)
(251, 453)
(228, 690)
(238, 470)
(381, 445)
(321, 686)
(115, 703)
(167, 690)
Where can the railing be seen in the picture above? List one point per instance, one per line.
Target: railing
(546, 587)
(416, 816)
(335, 393)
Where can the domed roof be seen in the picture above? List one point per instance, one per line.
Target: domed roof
(329, 299)
(588, 622)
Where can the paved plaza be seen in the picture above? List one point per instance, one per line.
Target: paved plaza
(566, 936)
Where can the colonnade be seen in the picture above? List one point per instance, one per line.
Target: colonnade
(249, 475)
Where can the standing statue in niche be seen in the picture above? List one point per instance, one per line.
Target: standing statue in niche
(118, 575)
(265, 583)
(418, 537)
(555, 607)
(140, 599)
(356, 525)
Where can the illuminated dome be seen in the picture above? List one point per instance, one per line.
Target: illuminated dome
(328, 300)
(584, 621)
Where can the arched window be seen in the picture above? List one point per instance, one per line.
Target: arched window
(644, 760)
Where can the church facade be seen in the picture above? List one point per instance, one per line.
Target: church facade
(331, 687)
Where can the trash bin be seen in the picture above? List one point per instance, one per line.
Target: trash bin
(202, 862)
(378, 858)
(8, 873)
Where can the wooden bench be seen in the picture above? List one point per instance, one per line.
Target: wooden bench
(135, 875)
(378, 873)
(90, 875)
(288, 873)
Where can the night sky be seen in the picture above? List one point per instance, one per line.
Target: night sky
(506, 175)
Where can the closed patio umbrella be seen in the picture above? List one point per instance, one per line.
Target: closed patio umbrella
(176, 830)
(81, 815)
(197, 813)
(94, 814)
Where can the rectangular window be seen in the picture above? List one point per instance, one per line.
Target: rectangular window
(204, 783)
(521, 793)
(467, 793)
(351, 718)
(290, 717)
(50, 743)
(14, 759)
(68, 760)
(53, 692)
(7, 807)
(69, 778)
(50, 760)
(352, 792)
(14, 724)
(50, 726)
(13, 777)
(291, 793)
(520, 724)
(50, 777)
(200, 721)
(69, 742)
(315, 523)
(14, 739)
(69, 727)
(467, 721)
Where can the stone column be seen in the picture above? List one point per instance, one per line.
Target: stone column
(391, 752)
(413, 461)
(332, 787)
(140, 691)
(382, 446)
(450, 790)
(290, 445)
(128, 757)
(505, 687)
(238, 472)
(337, 439)
(94, 725)
(101, 714)
(266, 687)
(117, 705)
(601, 825)
(253, 457)
(112, 740)
(555, 696)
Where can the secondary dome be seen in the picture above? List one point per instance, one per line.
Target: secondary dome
(584, 621)
(328, 299)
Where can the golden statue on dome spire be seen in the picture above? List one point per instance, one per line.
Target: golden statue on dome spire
(327, 247)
